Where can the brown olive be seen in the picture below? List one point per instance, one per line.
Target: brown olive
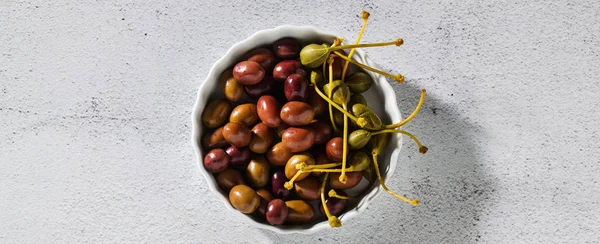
(335, 205)
(308, 189)
(232, 89)
(216, 112)
(353, 180)
(320, 158)
(281, 128)
(287, 48)
(239, 156)
(268, 109)
(262, 56)
(298, 139)
(262, 137)
(244, 199)
(248, 72)
(214, 139)
(297, 113)
(285, 68)
(279, 154)
(334, 149)
(229, 178)
(323, 130)
(290, 166)
(316, 102)
(257, 171)
(299, 212)
(236, 134)
(266, 86)
(277, 212)
(264, 194)
(216, 160)
(244, 113)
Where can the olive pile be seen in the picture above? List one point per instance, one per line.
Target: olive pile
(278, 138)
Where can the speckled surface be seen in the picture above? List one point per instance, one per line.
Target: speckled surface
(95, 103)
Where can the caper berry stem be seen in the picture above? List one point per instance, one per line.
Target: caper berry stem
(414, 113)
(396, 42)
(365, 17)
(302, 166)
(330, 64)
(422, 149)
(343, 178)
(413, 202)
(332, 193)
(398, 77)
(359, 121)
(349, 169)
(333, 220)
(290, 184)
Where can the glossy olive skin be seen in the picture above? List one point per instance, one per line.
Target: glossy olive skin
(229, 178)
(320, 158)
(263, 87)
(287, 48)
(232, 89)
(298, 139)
(359, 82)
(248, 72)
(296, 113)
(334, 149)
(290, 166)
(323, 131)
(279, 154)
(216, 112)
(299, 212)
(244, 199)
(318, 104)
(244, 113)
(214, 139)
(277, 180)
(261, 211)
(338, 66)
(236, 134)
(263, 56)
(277, 212)
(216, 160)
(268, 110)
(265, 194)
(239, 156)
(308, 189)
(257, 171)
(281, 128)
(285, 68)
(262, 137)
(295, 88)
(353, 179)
(335, 205)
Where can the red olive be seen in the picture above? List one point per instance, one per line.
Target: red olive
(296, 113)
(353, 179)
(268, 110)
(248, 72)
(285, 68)
(295, 87)
(277, 212)
(262, 56)
(216, 160)
(279, 154)
(320, 158)
(323, 130)
(334, 149)
(338, 66)
(298, 139)
(236, 134)
(239, 156)
(277, 180)
(318, 104)
(261, 88)
(287, 48)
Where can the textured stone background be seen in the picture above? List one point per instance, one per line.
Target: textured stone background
(95, 103)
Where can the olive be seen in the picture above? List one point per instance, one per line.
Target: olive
(357, 98)
(286, 48)
(353, 180)
(316, 102)
(261, 211)
(338, 118)
(320, 158)
(290, 166)
(216, 160)
(248, 72)
(232, 89)
(244, 199)
(359, 139)
(359, 161)
(261, 88)
(278, 179)
(268, 110)
(308, 189)
(279, 154)
(359, 82)
(244, 113)
(239, 156)
(295, 88)
(261, 139)
(214, 139)
(340, 93)
(335, 205)
(262, 56)
(322, 131)
(257, 171)
(362, 111)
(334, 149)
(296, 113)
(281, 128)
(298, 139)
(229, 178)
(299, 212)
(216, 112)
(277, 212)
(236, 134)
(264, 194)
(285, 68)
(338, 66)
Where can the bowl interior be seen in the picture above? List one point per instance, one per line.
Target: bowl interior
(380, 97)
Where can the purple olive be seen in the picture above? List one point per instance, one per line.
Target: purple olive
(248, 72)
(285, 68)
(216, 160)
(277, 211)
(295, 88)
(239, 156)
(286, 48)
(261, 88)
(262, 56)
(277, 180)
(334, 204)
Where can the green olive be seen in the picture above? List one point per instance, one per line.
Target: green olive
(340, 93)
(362, 111)
(359, 82)
(316, 76)
(378, 143)
(216, 112)
(359, 161)
(357, 98)
(314, 55)
(359, 139)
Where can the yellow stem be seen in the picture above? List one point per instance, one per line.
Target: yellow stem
(396, 42)
(343, 178)
(333, 220)
(330, 63)
(290, 184)
(365, 17)
(412, 202)
(414, 113)
(422, 149)
(332, 193)
(349, 169)
(318, 166)
(398, 77)
(361, 122)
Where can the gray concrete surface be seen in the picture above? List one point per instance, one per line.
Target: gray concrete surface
(95, 101)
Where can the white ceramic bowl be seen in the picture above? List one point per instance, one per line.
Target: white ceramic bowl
(380, 97)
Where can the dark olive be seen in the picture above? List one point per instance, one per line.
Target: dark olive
(265, 194)
(308, 189)
(244, 199)
(248, 72)
(216, 160)
(359, 82)
(230, 86)
(320, 158)
(278, 179)
(334, 149)
(214, 139)
(338, 118)
(378, 143)
(357, 98)
(263, 87)
(244, 113)
(338, 66)
(239, 156)
(298, 139)
(279, 154)
(299, 212)
(261, 211)
(236, 134)
(281, 128)
(285, 68)
(335, 205)
(268, 109)
(257, 171)
(353, 180)
(216, 112)
(316, 102)
(296, 113)
(290, 166)
(323, 130)
(229, 178)
(286, 48)
(295, 88)
(262, 137)
(262, 56)
(277, 212)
